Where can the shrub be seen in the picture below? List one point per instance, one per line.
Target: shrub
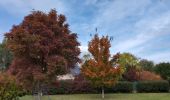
(121, 87)
(131, 75)
(54, 91)
(79, 87)
(148, 76)
(72, 86)
(8, 87)
(64, 87)
(168, 79)
(153, 86)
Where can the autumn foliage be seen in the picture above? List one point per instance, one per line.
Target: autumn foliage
(9, 90)
(148, 76)
(131, 75)
(102, 69)
(43, 47)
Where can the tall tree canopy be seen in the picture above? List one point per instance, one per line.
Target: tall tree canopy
(43, 47)
(102, 69)
(128, 60)
(163, 69)
(147, 65)
(131, 65)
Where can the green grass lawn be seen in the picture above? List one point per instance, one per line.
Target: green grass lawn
(137, 96)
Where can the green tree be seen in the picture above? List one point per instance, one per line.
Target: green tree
(147, 65)
(163, 69)
(8, 87)
(102, 69)
(5, 56)
(129, 61)
(131, 65)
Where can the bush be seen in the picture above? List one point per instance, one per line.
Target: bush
(8, 87)
(168, 79)
(122, 87)
(54, 91)
(131, 75)
(153, 86)
(148, 76)
(64, 87)
(72, 87)
(80, 87)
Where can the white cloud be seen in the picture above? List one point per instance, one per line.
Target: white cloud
(159, 57)
(147, 29)
(22, 7)
(117, 10)
(89, 2)
(1, 35)
(84, 49)
(109, 11)
(150, 23)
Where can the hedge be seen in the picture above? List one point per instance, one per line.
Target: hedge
(63, 88)
(168, 79)
(122, 87)
(84, 87)
(153, 86)
(71, 87)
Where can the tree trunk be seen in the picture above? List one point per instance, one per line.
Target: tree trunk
(102, 92)
(39, 98)
(39, 91)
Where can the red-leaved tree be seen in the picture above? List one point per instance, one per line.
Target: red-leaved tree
(43, 47)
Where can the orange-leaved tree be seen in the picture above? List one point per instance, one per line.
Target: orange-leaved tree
(102, 69)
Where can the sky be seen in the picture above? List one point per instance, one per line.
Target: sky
(141, 27)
